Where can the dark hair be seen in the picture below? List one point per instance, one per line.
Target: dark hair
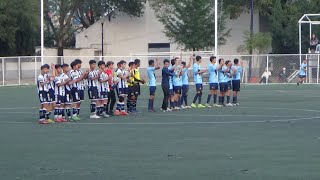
(184, 63)
(227, 62)
(166, 61)
(65, 65)
(57, 66)
(131, 64)
(236, 61)
(198, 58)
(176, 58)
(92, 62)
(212, 58)
(137, 61)
(101, 63)
(73, 64)
(45, 66)
(220, 60)
(78, 61)
(173, 62)
(151, 62)
(110, 63)
(122, 62)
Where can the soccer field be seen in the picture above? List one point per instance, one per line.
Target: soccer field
(274, 134)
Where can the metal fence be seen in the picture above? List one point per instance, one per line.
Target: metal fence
(24, 70)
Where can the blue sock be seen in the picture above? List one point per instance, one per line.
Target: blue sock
(228, 99)
(215, 99)
(68, 111)
(78, 111)
(41, 117)
(220, 100)
(118, 106)
(171, 104)
(74, 111)
(185, 100)
(199, 99)
(122, 107)
(62, 112)
(209, 98)
(56, 111)
(235, 99)
(195, 98)
(93, 107)
(149, 104)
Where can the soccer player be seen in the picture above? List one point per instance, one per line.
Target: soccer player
(229, 79)
(185, 83)
(165, 84)
(93, 83)
(51, 92)
(132, 88)
(137, 81)
(81, 85)
(197, 72)
(42, 87)
(171, 92)
(68, 93)
(112, 87)
(177, 84)
(213, 81)
(152, 82)
(237, 70)
(61, 80)
(103, 90)
(302, 72)
(223, 81)
(122, 74)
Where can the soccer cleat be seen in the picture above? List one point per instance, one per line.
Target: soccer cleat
(94, 116)
(58, 120)
(177, 109)
(63, 120)
(50, 121)
(236, 104)
(193, 105)
(188, 107)
(201, 106)
(117, 113)
(183, 107)
(111, 113)
(105, 115)
(75, 118)
(208, 105)
(229, 105)
(219, 105)
(123, 113)
(169, 110)
(44, 122)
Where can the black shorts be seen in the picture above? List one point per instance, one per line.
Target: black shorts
(60, 99)
(185, 89)
(229, 85)
(75, 95)
(223, 87)
(177, 89)
(152, 90)
(103, 95)
(51, 96)
(133, 90)
(81, 95)
(214, 86)
(68, 97)
(43, 97)
(122, 91)
(93, 93)
(236, 85)
(302, 76)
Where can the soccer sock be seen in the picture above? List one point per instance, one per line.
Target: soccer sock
(75, 111)
(152, 102)
(41, 117)
(129, 104)
(63, 113)
(199, 99)
(208, 99)
(149, 104)
(171, 104)
(100, 110)
(68, 111)
(134, 105)
(195, 98)
(105, 107)
(47, 114)
(228, 99)
(215, 99)
(185, 100)
(93, 107)
(122, 107)
(220, 100)
(118, 106)
(60, 112)
(235, 99)
(56, 112)
(78, 111)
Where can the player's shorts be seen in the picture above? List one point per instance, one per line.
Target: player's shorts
(235, 85)
(67, 97)
(51, 96)
(60, 99)
(75, 95)
(152, 90)
(199, 87)
(93, 93)
(103, 95)
(185, 89)
(223, 87)
(133, 90)
(214, 86)
(81, 95)
(171, 92)
(302, 76)
(177, 89)
(43, 97)
(229, 85)
(123, 91)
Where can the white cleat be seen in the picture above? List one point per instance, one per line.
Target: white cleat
(94, 116)
(229, 105)
(208, 105)
(188, 107)
(218, 105)
(105, 115)
(183, 107)
(236, 104)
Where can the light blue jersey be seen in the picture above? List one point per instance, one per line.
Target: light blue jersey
(303, 69)
(213, 75)
(151, 76)
(223, 77)
(177, 80)
(237, 75)
(185, 78)
(170, 78)
(197, 77)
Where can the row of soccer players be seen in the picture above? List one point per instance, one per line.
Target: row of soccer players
(223, 76)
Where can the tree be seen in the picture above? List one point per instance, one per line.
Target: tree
(190, 23)
(19, 27)
(259, 42)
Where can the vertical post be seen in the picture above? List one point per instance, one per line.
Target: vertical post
(19, 70)
(318, 69)
(42, 31)
(35, 70)
(216, 27)
(102, 40)
(300, 48)
(2, 71)
(310, 30)
(267, 79)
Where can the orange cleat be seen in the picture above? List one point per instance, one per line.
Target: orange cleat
(123, 113)
(117, 113)
(44, 122)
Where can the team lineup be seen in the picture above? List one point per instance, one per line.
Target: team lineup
(63, 90)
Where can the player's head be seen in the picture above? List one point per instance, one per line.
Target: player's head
(166, 63)
(132, 65)
(221, 61)
(213, 59)
(137, 62)
(173, 62)
(92, 64)
(198, 59)
(184, 64)
(151, 63)
(45, 68)
(65, 67)
(236, 61)
(228, 63)
(74, 65)
(305, 61)
(177, 60)
(58, 68)
(123, 64)
(101, 65)
(110, 64)
(78, 63)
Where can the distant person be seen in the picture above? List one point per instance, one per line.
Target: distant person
(302, 72)
(265, 76)
(165, 84)
(197, 73)
(283, 75)
(313, 43)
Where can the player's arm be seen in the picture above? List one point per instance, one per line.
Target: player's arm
(43, 81)
(157, 64)
(122, 76)
(190, 62)
(169, 73)
(83, 76)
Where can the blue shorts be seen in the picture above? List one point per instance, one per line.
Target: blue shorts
(43, 97)
(229, 85)
(199, 87)
(51, 96)
(75, 95)
(177, 89)
(236, 85)
(103, 95)
(93, 93)
(223, 87)
(67, 97)
(123, 91)
(171, 93)
(152, 90)
(302, 76)
(214, 86)
(81, 95)
(60, 99)
(185, 89)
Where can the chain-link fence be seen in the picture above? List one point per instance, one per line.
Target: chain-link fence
(257, 68)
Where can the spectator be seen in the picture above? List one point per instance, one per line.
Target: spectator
(283, 75)
(313, 43)
(265, 76)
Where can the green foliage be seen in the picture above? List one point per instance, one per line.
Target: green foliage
(190, 23)
(259, 42)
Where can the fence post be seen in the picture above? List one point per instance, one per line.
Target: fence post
(267, 78)
(35, 70)
(19, 69)
(318, 69)
(3, 72)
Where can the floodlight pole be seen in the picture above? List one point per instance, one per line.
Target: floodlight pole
(216, 28)
(102, 40)
(300, 39)
(42, 31)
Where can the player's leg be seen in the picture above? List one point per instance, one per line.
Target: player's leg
(93, 96)
(81, 97)
(215, 94)
(152, 92)
(193, 105)
(76, 101)
(185, 96)
(209, 95)
(112, 100)
(43, 110)
(228, 94)
(57, 110)
(166, 94)
(221, 95)
(200, 97)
